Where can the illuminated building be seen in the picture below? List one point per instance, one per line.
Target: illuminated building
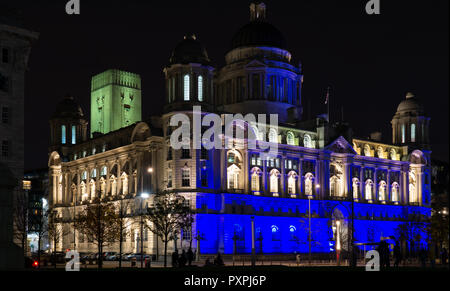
(317, 161)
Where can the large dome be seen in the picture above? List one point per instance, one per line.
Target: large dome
(68, 108)
(410, 104)
(190, 50)
(258, 33)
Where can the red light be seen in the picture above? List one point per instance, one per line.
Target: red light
(35, 263)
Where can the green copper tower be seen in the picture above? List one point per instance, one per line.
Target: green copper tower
(115, 101)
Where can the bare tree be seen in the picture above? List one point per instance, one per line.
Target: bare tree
(186, 222)
(122, 225)
(164, 218)
(100, 223)
(20, 219)
(55, 231)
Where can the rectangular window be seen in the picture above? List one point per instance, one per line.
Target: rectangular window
(187, 88)
(5, 115)
(256, 86)
(413, 132)
(63, 134)
(200, 88)
(74, 134)
(186, 178)
(169, 154)
(403, 133)
(5, 148)
(5, 55)
(4, 83)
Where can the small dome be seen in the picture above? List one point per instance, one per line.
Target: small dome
(258, 33)
(410, 104)
(190, 50)
(68, 108)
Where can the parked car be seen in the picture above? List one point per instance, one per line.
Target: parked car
(110, 256)
(125, 256)
(138, 256)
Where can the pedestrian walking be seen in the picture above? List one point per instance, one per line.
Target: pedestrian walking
(190, 256)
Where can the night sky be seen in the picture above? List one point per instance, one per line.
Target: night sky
(371, 62)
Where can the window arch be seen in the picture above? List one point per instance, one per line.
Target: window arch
(309, 184)
(355, 187)
(256, 179)
(290, 138)
(124, 183)
(307, 141)
(335, 186)
(113, 182)
(292, 178)
(395, 192)
(367, 151)
(393, 154)
(233, 173)
(273, 135)
(382, 191)
(187, 88)
(200, 88)
(103, 171)
(368, 190)
(412, 187)
(274, 178)
(380, 152)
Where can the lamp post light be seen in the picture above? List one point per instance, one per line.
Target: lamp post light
(338, 242)
(253, 241)
(143, 196)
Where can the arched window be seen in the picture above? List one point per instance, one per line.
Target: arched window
(307, 141)
(94, 173)
(200, 88)
(382, 191)
(186, 177)
(355, 186)
(290, 139)
(187, 88)
(83, 189)
(275, 233)
(113, 182)
(63, 134)
(309, 184)
(74, 134)
(413, 132)
(403, 133)
(233, 177)
(395, 195)
(92, 188)
(103, 171)
(169, 178)
(380, 152)
(273, 135)
(255, 182)
(333, 186)
(367, 151)
(124, 183)
(393, 154)
(84, 175)
(412, 187)
(102, 186)
(368, 190)
(274, 181)
(291, 183)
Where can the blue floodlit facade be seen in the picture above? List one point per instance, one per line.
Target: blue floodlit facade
(320, 168)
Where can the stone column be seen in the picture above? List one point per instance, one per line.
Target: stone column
(362, 184)
(300, 178)
(388, 186)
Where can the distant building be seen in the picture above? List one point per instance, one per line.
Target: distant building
(318, 165)
(35, 185)
(15, 47)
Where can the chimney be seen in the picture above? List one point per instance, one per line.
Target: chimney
(257, 11)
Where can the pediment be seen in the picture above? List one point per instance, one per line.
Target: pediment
(255, 64)
(341, 146)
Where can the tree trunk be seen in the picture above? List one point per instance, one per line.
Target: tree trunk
(120, 250)
(54, 252)
(100, 256)
(165, 253)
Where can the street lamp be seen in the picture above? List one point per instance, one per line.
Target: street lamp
(143, 196)
(338, 241)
